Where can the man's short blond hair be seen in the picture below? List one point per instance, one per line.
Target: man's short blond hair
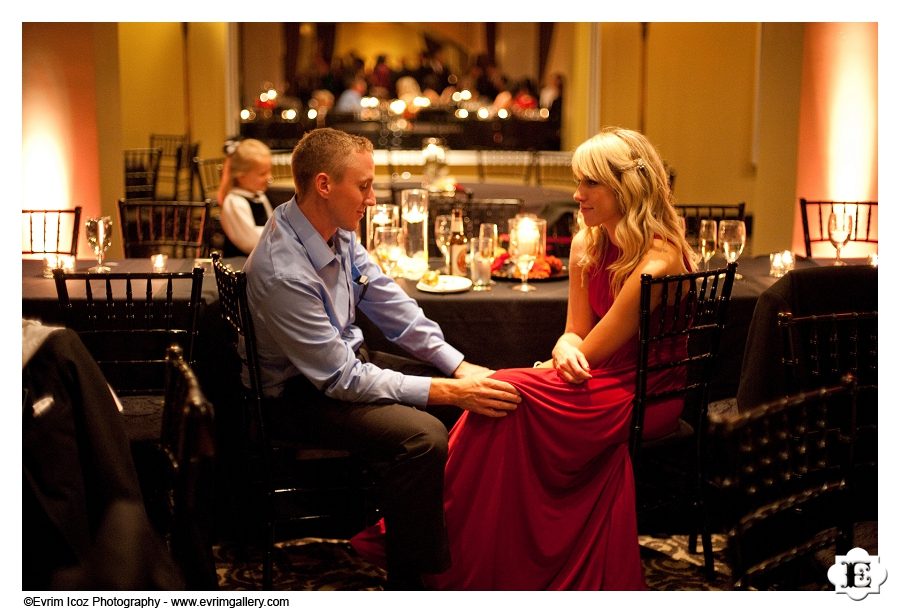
(324, 150)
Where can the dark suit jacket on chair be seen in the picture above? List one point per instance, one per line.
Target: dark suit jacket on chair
(807, 291)
(83, 520)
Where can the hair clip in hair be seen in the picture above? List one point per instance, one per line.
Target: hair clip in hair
(230, 146)
(639, 164)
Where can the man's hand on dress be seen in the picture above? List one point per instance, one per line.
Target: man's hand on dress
(477, 393)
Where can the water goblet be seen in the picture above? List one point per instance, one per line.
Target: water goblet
(99, 235)
(707, 238)
(526, 244)
(732, 237)
(388, 248)
(442, 238)
(840, 226)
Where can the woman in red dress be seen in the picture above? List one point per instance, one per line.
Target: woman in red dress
(544, 497)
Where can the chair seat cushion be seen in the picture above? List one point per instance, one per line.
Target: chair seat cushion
(142, 417)
(725, 406)
(683, 431)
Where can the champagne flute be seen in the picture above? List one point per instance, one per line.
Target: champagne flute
(442, 238)
(388, 248)
(99, 235)
(840, 226)
(707, 237)
(732, 237)
(526, 243)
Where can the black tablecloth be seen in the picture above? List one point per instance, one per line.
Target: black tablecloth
(500, 328)
(39, 293)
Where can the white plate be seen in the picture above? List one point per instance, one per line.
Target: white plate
(447, 284)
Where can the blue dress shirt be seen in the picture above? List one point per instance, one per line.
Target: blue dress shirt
(303, 295)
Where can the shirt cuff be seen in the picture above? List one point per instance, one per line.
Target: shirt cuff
(447, 359)
(415, 389)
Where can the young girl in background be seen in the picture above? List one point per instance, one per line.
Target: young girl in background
(245, 208)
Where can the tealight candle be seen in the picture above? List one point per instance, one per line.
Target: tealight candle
(51, 261)
(159, 262)
(787, 259)
(66, 262)
(776, 264)
(54, 260)
(204, 263)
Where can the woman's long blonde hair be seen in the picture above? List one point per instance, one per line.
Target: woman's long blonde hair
(626, 162)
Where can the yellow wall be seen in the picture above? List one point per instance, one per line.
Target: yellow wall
(152, 81)
(109, 121)
(208, 45)
(576, 103)
(620, 71)
(700, 105)
(779, 117)
(152, 76)
(701, 111)
(60, 157)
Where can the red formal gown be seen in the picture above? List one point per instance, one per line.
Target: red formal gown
(543, 499)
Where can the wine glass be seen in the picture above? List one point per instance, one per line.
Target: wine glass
(442, 238)
(707, 236)
(732, 236)
(388, 248)
(840, 226)
(99, 235)
(526, 244)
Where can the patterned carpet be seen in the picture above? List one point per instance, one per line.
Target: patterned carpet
(331, 564)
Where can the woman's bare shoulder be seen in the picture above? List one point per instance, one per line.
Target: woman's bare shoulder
(663, 258)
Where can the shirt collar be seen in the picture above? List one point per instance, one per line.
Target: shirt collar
(246, 193)
(320, 254)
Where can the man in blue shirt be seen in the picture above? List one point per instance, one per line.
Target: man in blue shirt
(306, 278)
(350, 100)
